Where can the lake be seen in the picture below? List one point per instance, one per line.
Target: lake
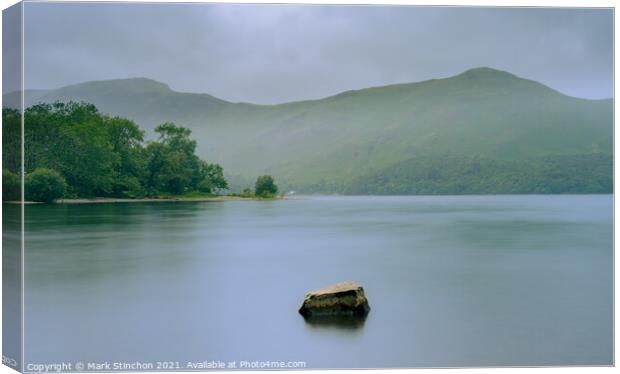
(451, 280)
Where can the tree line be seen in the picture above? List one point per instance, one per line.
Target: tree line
(450, 174)
(72, 150)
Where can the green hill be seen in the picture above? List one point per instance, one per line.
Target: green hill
(356, 141)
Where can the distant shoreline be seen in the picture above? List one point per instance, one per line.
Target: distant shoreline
(99, 200)
(103, 200)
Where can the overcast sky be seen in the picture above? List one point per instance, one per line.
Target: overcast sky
(276, 53)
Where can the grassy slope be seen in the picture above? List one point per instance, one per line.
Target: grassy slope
(448, 174)
(339, 139)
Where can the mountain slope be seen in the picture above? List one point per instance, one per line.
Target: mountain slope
(329, 144)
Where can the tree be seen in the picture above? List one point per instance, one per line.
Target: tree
(172, 163)
(99, 155)
(11, 186)
(213, 175)
(45, 185)
(88, 163)
(174, 167)
(71, 138)
(11, 139)
(126, 140)
(169, 169)
(265, 186)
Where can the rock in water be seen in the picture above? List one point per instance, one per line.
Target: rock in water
(340, 299)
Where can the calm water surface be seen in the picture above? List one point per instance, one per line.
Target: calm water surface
(452, 281)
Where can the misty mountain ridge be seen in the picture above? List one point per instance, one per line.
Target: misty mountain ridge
(143, 85)
(325, 145)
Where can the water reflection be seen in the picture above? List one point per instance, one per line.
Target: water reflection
(352, 322)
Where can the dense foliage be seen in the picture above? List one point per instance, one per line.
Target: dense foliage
(448, 174)
(44, 185)
(11, 186)
(99, 155)
(265, 186)
(172, 165)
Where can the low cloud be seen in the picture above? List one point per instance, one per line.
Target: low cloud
(279, 53)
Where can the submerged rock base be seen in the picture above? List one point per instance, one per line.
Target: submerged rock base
(346, 322)
(340, 299)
